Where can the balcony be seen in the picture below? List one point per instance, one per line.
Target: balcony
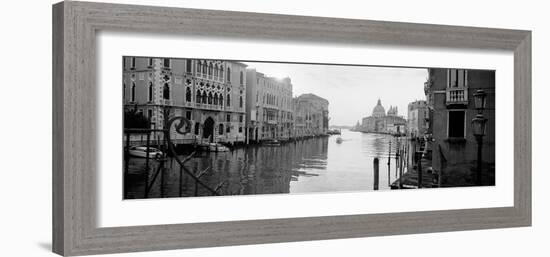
(208, 106)
(456, 96)
(271, 122)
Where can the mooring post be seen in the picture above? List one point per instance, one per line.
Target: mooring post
(376, 169)
(397, 155)
(127, 153)
(181, 182)
(401, 163)
(147, 153)
(408, 154)
(389, 161)
(162, 170)
(126, 165)
(418, 157)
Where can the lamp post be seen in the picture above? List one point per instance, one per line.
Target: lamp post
(479, 126)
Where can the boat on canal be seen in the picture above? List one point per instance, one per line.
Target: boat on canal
(272, 142)
(334, 132)
(143, 152)
(214, 147)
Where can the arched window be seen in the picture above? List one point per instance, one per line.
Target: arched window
(215, 71)
(133, 93)
(241, 101)
(216, 99)
(210, 70)
(188, 94)
(221, 100)
(124, 92)
(199, 66)
(228, 100)
(228, 74)
(198, 97)
(197, 126)
(220, 129)
(209, 98)
(166, 91)
(150, 91)
(241, 79)
(204, 97)
(204, 68)
(221, 72)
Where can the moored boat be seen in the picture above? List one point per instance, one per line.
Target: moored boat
(213, 147)
(143, 152)
(272, 142)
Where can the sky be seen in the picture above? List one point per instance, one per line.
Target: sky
(352, 91)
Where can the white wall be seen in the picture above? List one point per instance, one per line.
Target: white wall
(25, 216)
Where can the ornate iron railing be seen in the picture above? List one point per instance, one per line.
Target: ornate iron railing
(181, 126)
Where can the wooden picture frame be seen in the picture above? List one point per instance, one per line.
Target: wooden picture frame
(74, 130)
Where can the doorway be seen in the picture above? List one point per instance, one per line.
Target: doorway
(208, 129)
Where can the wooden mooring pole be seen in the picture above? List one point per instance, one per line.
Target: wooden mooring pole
(402, 162)
(127, 153)
(181, 182)
(397, 155)
(147, 157)
(126, 164)
(389, 161)
(418, 158)
(376, 170)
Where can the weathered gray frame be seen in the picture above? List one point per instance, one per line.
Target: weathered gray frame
(74, 128)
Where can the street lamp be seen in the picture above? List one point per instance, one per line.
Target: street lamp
(479, 127)
(480, 99)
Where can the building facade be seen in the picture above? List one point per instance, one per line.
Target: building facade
(417, 118)
(269, 107)
(310, 116)
(210, 93)
(382, 122)
(449, 96)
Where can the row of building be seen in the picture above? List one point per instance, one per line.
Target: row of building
(226, 101)
(382, 122)
(443, 123)
(446, 121)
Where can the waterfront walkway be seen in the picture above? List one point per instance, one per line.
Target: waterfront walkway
(410, 178)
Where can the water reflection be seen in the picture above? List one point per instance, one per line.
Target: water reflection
(313, 165)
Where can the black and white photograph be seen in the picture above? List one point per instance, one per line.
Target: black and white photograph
(146, 128)
(205, 127)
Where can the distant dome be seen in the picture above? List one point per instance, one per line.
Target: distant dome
(378, 110)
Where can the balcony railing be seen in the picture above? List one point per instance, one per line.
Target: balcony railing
(208, 106)
(457, 95)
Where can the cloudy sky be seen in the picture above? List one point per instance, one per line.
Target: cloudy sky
(352, 91)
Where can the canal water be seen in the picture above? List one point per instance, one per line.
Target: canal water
(307, 166)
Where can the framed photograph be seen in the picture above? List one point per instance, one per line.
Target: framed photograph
(183, 128)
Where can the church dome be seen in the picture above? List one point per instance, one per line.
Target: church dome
(378, 110)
